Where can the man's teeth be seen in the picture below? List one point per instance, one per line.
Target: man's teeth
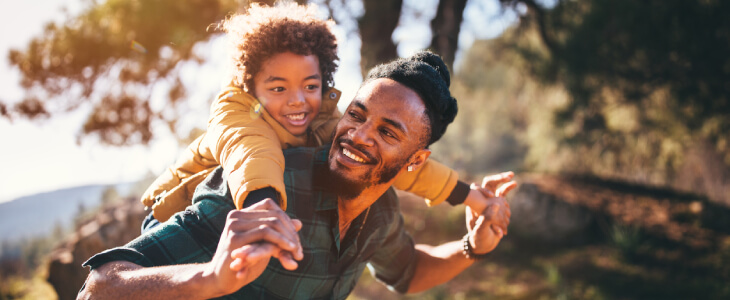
(296, 117)
(352, 156)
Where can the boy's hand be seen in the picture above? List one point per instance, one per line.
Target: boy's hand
(260, 232)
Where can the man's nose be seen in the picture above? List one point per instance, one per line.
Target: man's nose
(297, 98)
(362, 135)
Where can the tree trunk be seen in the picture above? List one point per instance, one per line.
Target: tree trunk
(376, 32)
(445, 28)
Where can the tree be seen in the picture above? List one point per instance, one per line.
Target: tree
(376, 29)
(664, 60)
(116, 53)
(445, 28)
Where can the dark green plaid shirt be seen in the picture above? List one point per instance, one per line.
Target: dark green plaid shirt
(329, 270)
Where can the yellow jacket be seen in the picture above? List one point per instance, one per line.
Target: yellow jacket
(244, 139)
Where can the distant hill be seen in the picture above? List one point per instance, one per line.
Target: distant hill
(36, 215)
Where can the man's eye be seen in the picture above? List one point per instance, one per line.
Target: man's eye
(354, 115)
(387, 133)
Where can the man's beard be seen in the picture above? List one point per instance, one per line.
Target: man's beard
(348, 188)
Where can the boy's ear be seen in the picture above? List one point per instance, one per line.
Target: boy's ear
(418, 159)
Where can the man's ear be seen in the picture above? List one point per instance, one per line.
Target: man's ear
(418, 159)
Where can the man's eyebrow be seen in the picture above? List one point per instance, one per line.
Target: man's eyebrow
(395, 124)
(360, 105)
(392, 122)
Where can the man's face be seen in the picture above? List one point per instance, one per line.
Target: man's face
(381, 130)
(289, 87)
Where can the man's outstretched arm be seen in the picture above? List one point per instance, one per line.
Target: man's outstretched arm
(436, 265)
(125, 280)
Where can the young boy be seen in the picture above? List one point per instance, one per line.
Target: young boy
(280, 96)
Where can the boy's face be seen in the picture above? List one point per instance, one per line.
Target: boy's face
(289, 87)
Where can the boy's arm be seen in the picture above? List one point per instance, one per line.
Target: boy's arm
(189, 163)
(244, 139)
(435, 182)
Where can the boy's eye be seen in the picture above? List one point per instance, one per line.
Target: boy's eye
(312, 87)
(277, 89)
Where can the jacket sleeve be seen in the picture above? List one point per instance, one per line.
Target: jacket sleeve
(190, 162)
(433, 181)
(176, 184)
(245, 140)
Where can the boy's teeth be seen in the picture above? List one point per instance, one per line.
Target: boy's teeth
(352, 156)
(296, 117)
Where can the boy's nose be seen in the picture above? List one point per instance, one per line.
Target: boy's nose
(297, 99)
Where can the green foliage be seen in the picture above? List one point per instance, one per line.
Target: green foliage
(627, 239)
(636, 70)
(523, 108)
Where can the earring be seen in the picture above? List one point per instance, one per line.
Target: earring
(410, 168)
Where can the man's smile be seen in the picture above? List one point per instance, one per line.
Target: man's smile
(352, 156)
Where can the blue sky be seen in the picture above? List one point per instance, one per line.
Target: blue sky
(43, 155)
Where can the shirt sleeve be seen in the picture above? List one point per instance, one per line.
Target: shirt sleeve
(395, 260)
(190, 236)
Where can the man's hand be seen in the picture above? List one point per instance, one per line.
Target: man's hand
(488, 226)
(250, 238)
(478, 197)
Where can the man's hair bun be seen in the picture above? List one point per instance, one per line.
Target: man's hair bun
(427, 75)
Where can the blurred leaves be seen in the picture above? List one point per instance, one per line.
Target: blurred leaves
(635, 67)
(112, 55)
(603, 99)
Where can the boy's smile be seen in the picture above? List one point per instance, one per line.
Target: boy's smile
(289, 86)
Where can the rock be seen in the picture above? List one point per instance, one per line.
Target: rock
(568, 210)
(541, 217)
(114, 226)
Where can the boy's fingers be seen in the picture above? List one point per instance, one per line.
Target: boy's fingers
(263, 234)
(286, 260)
(267, 224)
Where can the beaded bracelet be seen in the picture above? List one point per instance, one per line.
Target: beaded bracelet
(469, 252)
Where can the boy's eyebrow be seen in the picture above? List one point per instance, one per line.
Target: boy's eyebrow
(274, 78)
(315, 76)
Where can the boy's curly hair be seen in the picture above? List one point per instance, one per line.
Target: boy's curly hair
(264, 31)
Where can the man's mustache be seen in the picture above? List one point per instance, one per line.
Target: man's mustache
(371, 158)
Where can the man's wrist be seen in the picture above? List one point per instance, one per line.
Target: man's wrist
(206, 281)
(468, 250)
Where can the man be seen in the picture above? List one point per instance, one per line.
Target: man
(341, 201)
